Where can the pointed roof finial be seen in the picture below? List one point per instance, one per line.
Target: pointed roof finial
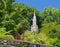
(34, 13)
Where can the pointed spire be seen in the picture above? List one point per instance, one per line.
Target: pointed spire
(34, 13)
(34, 26)
(34, 19)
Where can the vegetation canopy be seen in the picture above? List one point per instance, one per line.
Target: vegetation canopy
(16, 19)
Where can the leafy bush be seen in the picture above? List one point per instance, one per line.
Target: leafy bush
(3, 33)
(6, 36)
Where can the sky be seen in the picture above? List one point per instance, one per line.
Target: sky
(41, 4)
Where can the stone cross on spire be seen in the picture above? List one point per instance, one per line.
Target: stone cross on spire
(34, 26)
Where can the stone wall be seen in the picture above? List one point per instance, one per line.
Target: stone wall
(19, 43)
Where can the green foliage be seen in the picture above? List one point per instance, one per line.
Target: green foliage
(6, 36)
(26, 38)
(3, 32)
(15, 17)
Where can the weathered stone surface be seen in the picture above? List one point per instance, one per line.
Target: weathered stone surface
(19, 43)
(7, 45)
